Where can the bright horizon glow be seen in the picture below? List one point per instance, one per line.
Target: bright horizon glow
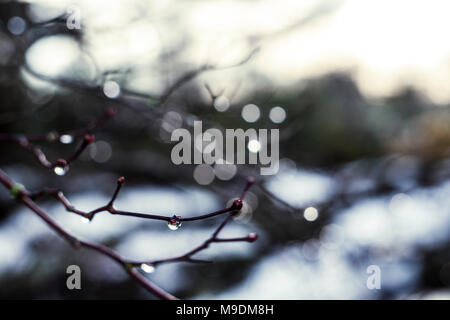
(385, 45)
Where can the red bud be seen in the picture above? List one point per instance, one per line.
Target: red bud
(252, 237)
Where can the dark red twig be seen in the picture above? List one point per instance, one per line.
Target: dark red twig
(109, 207)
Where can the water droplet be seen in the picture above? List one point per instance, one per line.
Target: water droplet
(250, 113)
(148, 268)
(66, 139)
(85, 220)
(174, 223)
(60, 171)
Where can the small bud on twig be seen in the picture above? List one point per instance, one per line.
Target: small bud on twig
(89, 138)
(237, 204)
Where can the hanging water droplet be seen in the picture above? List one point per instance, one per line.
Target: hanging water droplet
(111, 89)
(66, 139)
(61, 170)
(148, 268)
(85, 220)
(174, 223)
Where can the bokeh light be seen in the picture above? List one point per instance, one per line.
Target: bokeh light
(17, 25)
(204, 174)
(100, 151)
(225, 171)
(277, 114)
(311, 214)
(250, 113)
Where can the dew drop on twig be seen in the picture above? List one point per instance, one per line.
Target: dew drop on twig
(61, 170)
(66, 139)
(148, 268)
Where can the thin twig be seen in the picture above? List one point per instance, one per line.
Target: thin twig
(25, 141)
(109, 207)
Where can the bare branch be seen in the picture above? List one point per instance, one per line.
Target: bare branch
(189, 75)
(20, 194)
